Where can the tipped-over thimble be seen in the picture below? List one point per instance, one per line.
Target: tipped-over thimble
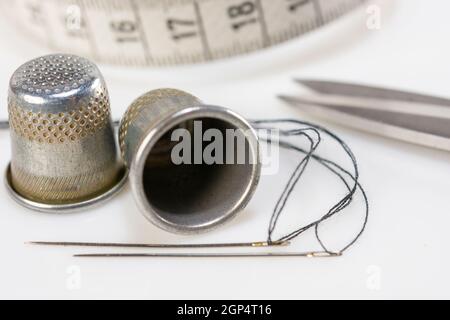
(64, 154)
(183, 185)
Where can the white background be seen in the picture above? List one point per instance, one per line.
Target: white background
(403, 254)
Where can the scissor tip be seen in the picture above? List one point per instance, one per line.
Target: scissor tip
(305, 82)
(285, 98)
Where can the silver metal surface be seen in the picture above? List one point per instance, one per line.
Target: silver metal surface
(318, 254)
(64, 154)
(259, 244)
(167, 32)
(364, 91)
(62, 208)
(184, 198)
(411, 117)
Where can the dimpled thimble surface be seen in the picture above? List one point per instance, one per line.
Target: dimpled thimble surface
(64, 154)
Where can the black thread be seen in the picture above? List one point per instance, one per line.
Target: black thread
(333, 167)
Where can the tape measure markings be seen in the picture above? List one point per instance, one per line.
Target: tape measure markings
(167, 32)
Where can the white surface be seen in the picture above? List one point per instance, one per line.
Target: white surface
(403, 254)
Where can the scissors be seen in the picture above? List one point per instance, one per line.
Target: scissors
(411, 117)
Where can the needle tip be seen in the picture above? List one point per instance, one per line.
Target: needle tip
(94, 255)
(38, 243)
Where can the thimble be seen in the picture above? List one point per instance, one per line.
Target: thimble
(64, 153)
(186, 197)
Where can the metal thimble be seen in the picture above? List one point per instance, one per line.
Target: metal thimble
(186, 197)
(64, 154)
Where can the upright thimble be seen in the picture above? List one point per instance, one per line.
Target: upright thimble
(190, 196)
(64, 153)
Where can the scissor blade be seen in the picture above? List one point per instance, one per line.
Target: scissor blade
(428, 131)
(356, 90)
(385, 106)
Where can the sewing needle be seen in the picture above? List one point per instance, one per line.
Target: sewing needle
(213, 255)
(162, 246)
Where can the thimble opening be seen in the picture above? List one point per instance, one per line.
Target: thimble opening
(200, 172)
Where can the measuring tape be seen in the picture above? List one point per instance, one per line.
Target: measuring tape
(169, 32)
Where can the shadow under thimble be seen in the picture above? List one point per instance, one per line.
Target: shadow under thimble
(64, 153)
